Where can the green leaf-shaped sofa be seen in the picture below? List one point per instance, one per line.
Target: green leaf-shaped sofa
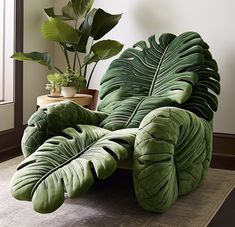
(157, 104)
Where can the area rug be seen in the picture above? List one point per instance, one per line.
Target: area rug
(112, 203)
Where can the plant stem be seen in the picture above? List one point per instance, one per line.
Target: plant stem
(92, 71)
(79, 62)
(91, 44)
(75, 52)
(74, 60)
(85, 70)
(58, 70)
(66, 57)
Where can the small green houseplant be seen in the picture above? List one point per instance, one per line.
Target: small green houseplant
(78, 29)
(54, 85)
(71, 82)
(67, 82)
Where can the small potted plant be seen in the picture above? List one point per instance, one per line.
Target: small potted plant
(77, 31)
(54, 85)
(71, 83)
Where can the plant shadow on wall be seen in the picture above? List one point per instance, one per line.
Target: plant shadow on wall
(158, 18)
(77, 31)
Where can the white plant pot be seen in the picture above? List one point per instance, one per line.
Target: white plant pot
(68, 92)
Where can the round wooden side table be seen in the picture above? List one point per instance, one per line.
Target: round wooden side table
(81, 99)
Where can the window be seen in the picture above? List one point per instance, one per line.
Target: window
(7, 37)
(7, 16)
(11, 109)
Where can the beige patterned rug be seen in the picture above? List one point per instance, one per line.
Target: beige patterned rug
(112, 203)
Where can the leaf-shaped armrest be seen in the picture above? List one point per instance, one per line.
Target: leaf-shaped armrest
(70, 165)
(51, 121)
(172, 154)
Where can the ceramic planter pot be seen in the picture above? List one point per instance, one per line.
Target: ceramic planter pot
(68, 92)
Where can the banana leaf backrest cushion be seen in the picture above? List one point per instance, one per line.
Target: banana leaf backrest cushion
(157, 104)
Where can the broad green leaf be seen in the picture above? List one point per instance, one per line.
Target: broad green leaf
(66, 16)
(144, 76)
(52, 120)
(63, 18)
(84, 30)
(50, 12)
(103, 22)
(59, 31)
(81, 7)
(102, 50)
(68, 11)
(54, 77)
(172, 155)
(69, 165)
(96, 24)
(41, 58)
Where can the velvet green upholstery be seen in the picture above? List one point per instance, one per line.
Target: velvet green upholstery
(69, 164)
(172, 154)
(177, 71)
(51, 121)
(157, 104)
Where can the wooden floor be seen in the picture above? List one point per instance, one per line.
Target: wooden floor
(225, 215)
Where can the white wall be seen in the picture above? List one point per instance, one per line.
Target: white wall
(34, 74)
(213, 19)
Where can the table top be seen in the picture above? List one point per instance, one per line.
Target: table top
(81, 99)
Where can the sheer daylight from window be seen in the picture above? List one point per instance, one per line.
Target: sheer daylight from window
(6, 50)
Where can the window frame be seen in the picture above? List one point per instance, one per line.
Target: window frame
(10, 139)
(2, 23)
(7, 47)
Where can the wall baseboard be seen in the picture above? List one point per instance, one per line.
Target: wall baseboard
(10, 143)
(224, 143)
(10, 152)
(223, 151)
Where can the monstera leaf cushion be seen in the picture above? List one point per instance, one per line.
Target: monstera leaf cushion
(157, 104)
(177, 71)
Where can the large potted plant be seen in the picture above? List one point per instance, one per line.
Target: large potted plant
(78, 31)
